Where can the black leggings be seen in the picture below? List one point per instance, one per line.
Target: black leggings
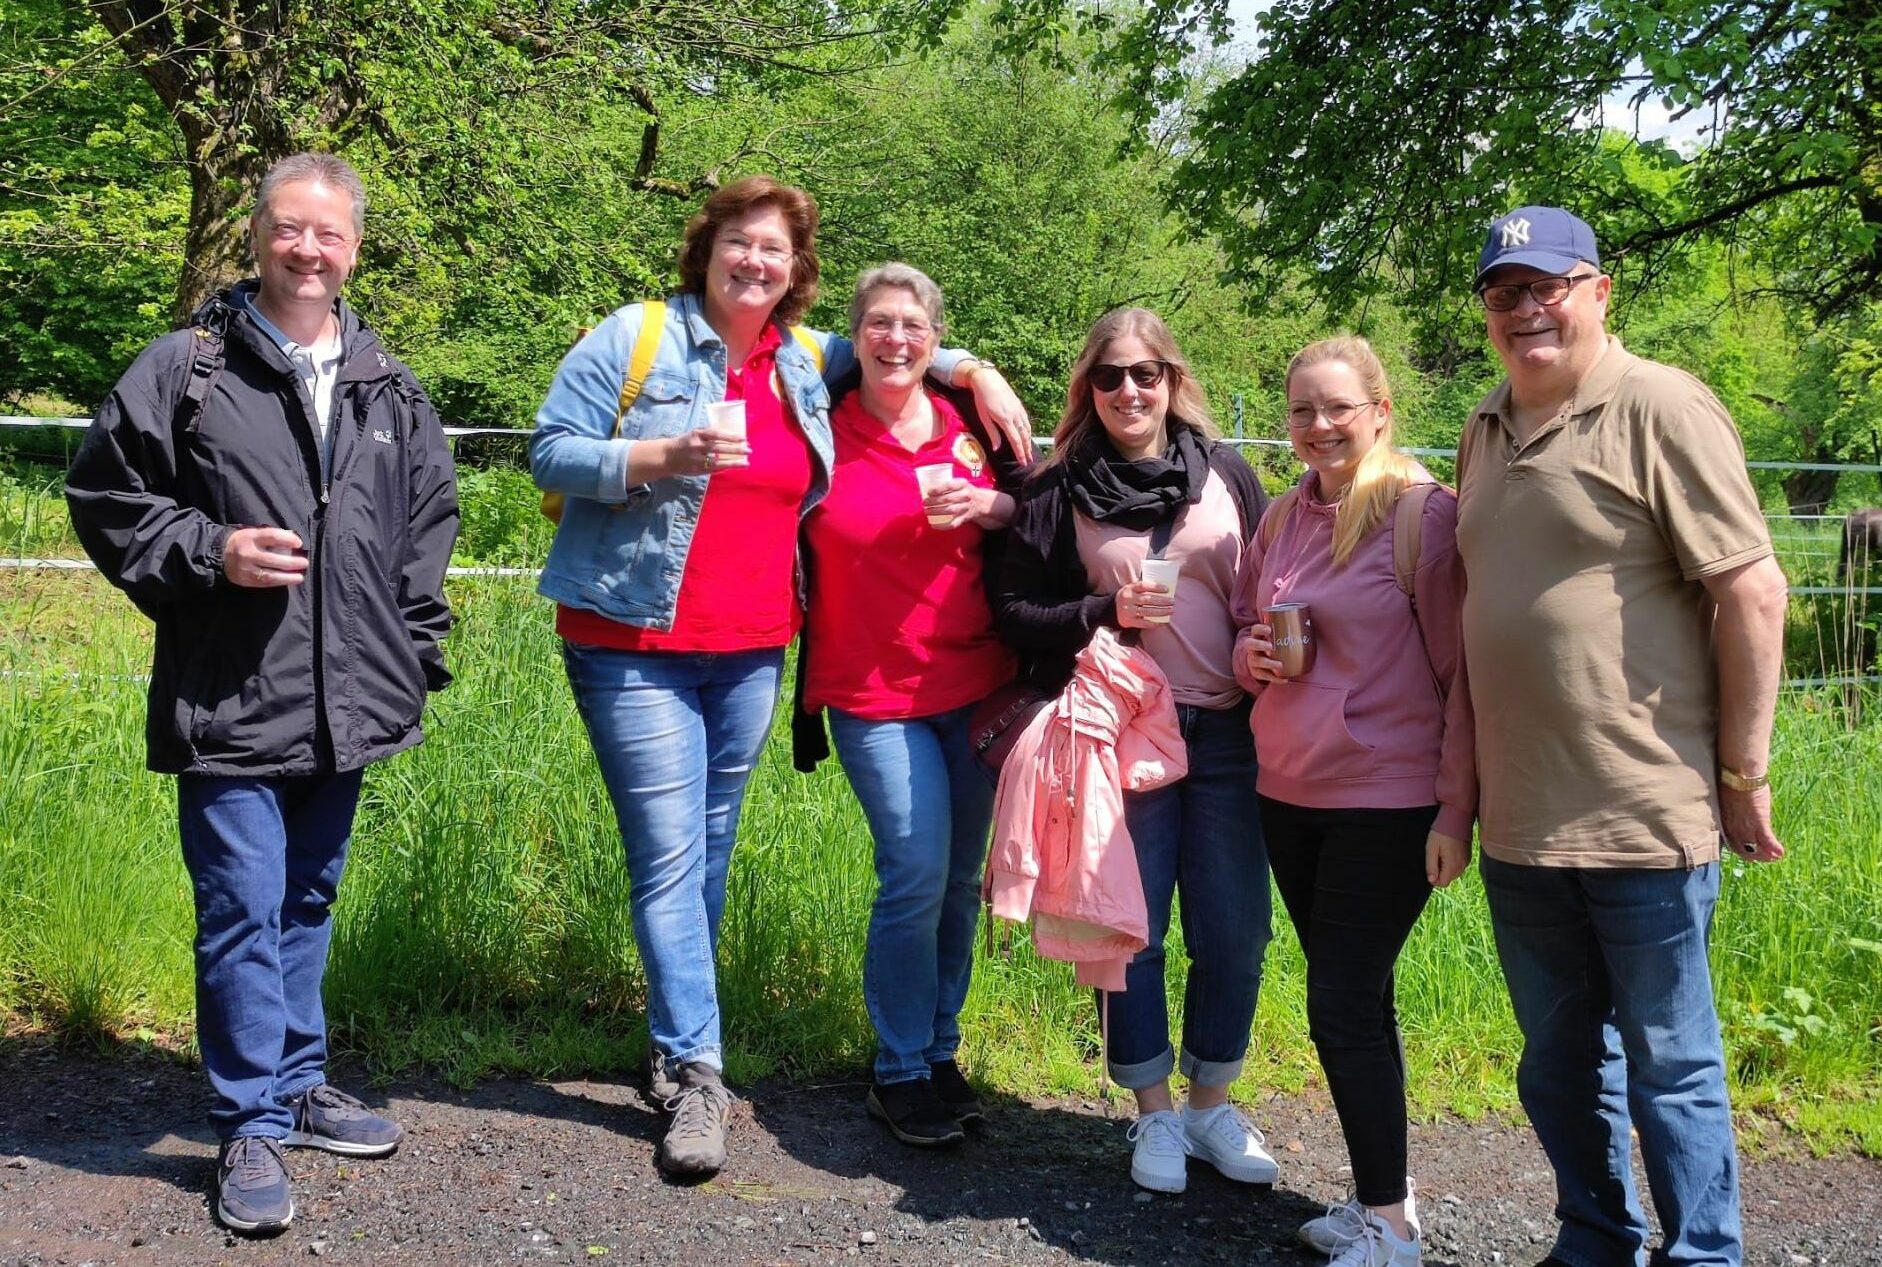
(1353, 881)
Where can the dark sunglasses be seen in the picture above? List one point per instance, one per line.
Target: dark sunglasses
(1108, 378)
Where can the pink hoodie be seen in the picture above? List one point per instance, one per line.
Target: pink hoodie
(1061, 854)
(1383, 719)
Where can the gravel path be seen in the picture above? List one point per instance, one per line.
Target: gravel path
(109, 1161)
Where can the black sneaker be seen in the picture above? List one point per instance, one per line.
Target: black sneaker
(954, 1091)
(914, 1114)
(252, 1186)
(333, 1120)
(694, 1147)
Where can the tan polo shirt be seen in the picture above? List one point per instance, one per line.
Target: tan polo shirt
(1587, 628)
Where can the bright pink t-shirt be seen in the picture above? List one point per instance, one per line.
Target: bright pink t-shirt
(899, 620)
(737, 593)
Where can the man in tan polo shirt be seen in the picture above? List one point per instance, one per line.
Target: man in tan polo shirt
(1623, 634)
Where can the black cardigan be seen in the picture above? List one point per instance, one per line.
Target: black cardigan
(1042, 603)
(810, 744)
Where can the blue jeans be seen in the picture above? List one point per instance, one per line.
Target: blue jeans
(1607, 972)
(676, 735)
(1200, 836)
(264, 857)
(928, 807)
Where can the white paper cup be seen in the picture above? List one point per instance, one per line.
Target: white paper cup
(932, 478)
(727, 417)
(1163, 573)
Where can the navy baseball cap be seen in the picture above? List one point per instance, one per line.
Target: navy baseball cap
(1547, 238)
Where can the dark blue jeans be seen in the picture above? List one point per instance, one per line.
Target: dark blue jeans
(928, 807)
(1200, 836)
(1608, 974)
(264, 857)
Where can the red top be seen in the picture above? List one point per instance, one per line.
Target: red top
(900, 625)
(737, 593)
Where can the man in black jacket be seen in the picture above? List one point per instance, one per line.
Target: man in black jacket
(274, 491)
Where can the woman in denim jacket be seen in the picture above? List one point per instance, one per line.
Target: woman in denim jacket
(673, 573)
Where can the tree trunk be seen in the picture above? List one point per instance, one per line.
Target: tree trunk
(215, 251)
(1808, 492)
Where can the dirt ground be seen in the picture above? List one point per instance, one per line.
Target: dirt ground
(110, 1161)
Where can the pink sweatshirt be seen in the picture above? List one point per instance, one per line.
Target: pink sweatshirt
(1383, 719)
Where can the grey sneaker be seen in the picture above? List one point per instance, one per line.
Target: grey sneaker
(694, 1146)
(252, 1186)
(333, 1120)
(662, 1079)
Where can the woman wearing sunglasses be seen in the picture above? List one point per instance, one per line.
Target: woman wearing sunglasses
(1135, 458)
(1368, 784)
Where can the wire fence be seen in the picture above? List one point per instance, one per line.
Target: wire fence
(1796, 546)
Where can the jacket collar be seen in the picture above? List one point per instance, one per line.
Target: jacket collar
(692, 310)
(364, 359)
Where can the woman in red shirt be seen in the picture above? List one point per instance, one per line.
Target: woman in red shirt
(900, 646)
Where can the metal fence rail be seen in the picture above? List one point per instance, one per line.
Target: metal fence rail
(521, 433)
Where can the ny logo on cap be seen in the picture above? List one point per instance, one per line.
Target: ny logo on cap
(1515, 233)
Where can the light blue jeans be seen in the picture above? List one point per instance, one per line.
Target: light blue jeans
(1200, 837)
(1607, 972)
(264, 857)
(928, 807)
(676, 735)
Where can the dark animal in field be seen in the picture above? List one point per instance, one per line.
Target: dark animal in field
(1862, 546)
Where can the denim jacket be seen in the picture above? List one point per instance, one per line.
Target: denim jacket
(621, 551)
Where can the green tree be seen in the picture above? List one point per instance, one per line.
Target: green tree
(1371, 142)
(432, 85)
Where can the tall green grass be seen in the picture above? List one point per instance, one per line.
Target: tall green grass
(483, 924)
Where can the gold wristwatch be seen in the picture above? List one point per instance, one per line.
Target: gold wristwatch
(1743, 782)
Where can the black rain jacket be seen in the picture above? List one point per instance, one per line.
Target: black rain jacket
(322, 677)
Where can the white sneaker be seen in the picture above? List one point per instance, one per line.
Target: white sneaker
(1343, 1224)
(1378, 1246)
(1160, 1160)
(1228, 1141)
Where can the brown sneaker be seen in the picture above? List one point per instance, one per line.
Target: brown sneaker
(662, 1076)
(694, 1147)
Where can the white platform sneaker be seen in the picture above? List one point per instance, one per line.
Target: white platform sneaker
(1227, 1140)
(1343, 1223)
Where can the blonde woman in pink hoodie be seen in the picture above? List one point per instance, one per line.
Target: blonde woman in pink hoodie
(1368, 777)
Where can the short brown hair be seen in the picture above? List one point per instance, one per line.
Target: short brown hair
(729, 202)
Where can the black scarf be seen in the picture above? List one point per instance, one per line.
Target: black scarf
(1137, 495)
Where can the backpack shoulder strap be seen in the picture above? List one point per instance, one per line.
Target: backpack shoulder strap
(208, 354)
(808, 341)
(1276, 514)
(1408, 531)
(653, 324)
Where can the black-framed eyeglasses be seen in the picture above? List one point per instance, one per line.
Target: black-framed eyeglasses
(1108, 378)
(1547, 291)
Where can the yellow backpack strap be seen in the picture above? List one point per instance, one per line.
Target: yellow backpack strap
(1276, 514)
(653, 324)
(808, 341)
